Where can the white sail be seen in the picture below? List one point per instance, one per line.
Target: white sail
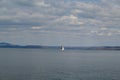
(62, 48)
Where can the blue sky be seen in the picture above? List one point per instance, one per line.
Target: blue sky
(60, 22)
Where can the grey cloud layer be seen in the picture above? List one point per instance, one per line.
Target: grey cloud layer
(67, 17)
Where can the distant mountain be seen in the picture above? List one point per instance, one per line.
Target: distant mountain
(9, 45)
(4, 44)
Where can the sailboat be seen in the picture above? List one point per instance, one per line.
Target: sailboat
(62, 48)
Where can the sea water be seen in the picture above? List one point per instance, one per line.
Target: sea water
(53, 64)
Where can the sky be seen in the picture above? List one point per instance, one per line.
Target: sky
(60, 22)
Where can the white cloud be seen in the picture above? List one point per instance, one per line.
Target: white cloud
(12, 29)
(69, 20)
(103, 28)
(76, 11)
(109, 34)
(36, 27)
(94, 31)
(41, 4)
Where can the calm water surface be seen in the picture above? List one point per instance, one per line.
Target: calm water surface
(52, 64)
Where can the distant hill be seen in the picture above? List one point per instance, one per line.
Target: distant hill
(9, 45)
(4, 44)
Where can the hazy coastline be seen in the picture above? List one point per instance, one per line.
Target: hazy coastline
(9, 45)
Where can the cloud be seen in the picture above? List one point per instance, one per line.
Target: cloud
(36, 27)
(71, 18)
(42, 4)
